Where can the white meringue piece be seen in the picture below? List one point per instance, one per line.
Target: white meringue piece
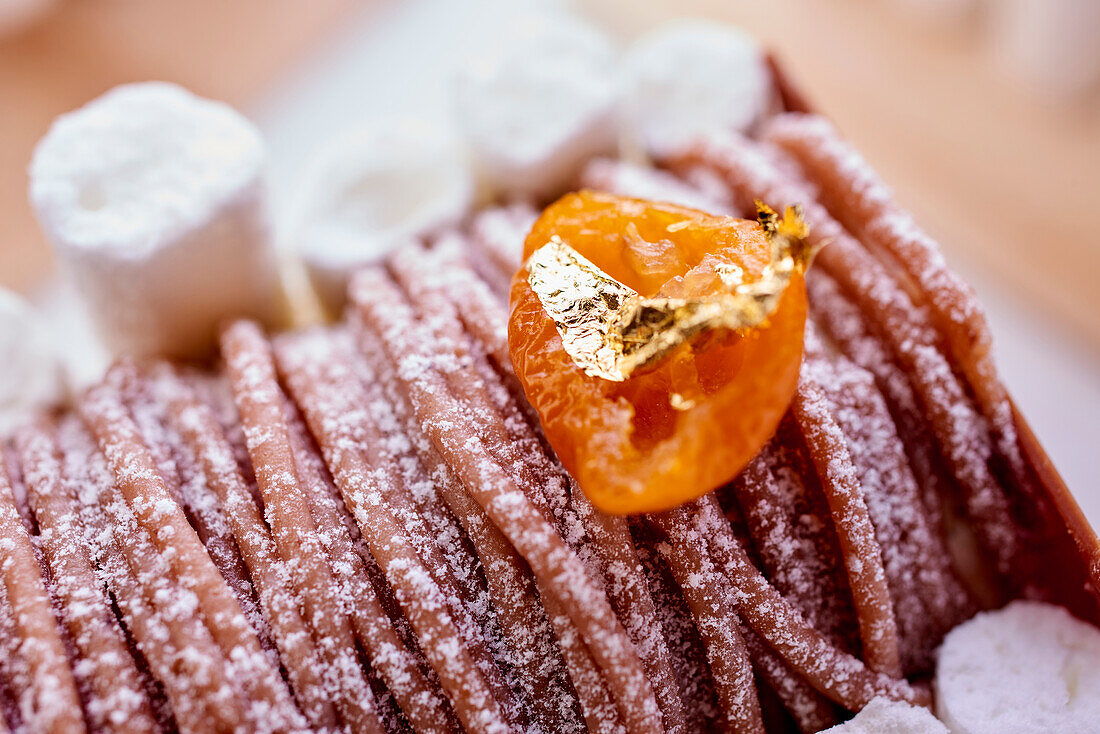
(154, 201)
(1030, 667)
(30, 371)
(690, 78)
(83, 356)
(883, 716)
(374, 190)
(537, 105)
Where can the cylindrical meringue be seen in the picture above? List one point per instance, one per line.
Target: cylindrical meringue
(691, 78)
(1029, 667)
(30, 371)
(884, 716)
(537, 106)
(154, 201)
(371, 191)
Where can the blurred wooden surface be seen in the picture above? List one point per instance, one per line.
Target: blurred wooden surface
(225, 49)
(1011, 187)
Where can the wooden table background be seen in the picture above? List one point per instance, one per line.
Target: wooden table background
(1010, 185)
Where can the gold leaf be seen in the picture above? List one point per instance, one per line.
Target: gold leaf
(610, 331)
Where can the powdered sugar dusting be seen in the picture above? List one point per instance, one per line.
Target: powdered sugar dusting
(962, 433)
(639, 182)
(364, 528)
(864, 204)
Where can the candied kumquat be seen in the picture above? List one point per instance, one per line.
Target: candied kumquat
(691, 421)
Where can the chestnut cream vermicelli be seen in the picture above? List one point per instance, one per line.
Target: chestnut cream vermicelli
(361, 527)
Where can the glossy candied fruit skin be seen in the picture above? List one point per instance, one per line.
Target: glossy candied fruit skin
(689, 424)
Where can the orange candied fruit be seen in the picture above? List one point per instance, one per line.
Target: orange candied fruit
(688, 424)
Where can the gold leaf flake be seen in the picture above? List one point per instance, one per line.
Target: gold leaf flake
(609, 330)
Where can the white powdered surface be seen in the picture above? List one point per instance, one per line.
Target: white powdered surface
(536, 108)
(690, 78)
(374, 190)
(30, 370)
(1030, 667)
(154, 201)
(883, 716)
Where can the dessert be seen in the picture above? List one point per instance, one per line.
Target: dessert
(645, 430)
(538, 105)
(700, 191)
(31, 377)
(395, 523)
(690, 78)
(370, 192)
(883, 716)
(1026, 646)
(140, 192)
